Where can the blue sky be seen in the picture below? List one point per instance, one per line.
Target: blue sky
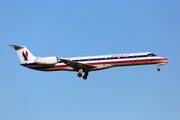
(84, 28)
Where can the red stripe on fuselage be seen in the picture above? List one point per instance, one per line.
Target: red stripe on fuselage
(129, 61)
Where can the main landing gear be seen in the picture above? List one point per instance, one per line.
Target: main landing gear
(80, 74)
(85, 75)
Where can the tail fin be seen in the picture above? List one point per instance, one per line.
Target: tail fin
(24, 54)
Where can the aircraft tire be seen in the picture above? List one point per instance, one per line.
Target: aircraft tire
(158, 69)
(84, 77)
(79, 75)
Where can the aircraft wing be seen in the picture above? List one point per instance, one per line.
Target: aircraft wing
(76, 64)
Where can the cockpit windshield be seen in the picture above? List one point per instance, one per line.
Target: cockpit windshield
(151, 54)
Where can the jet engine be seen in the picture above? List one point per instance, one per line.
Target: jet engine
(47, 61)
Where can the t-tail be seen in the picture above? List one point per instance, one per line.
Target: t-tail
(24, 54)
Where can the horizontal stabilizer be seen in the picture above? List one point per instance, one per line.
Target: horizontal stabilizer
(16, 47)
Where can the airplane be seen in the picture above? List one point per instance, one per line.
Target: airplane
(88, 63)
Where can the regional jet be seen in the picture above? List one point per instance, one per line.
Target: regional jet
(88, 63)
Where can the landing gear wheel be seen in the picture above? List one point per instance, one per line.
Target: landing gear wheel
(79, 75)
(158, 69)
(84, 77)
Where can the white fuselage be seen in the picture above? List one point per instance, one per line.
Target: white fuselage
(103, 62)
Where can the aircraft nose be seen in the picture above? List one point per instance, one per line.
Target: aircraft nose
(167, 60)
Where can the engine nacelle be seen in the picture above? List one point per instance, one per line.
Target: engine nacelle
(47, 61)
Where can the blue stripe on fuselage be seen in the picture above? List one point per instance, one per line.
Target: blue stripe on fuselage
(108, 58)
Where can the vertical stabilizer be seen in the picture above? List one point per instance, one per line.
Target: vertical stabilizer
(24, 54)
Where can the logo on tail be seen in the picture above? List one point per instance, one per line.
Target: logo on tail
(25, 55)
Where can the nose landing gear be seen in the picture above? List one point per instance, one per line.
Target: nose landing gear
(158, 69)
(163, 63)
